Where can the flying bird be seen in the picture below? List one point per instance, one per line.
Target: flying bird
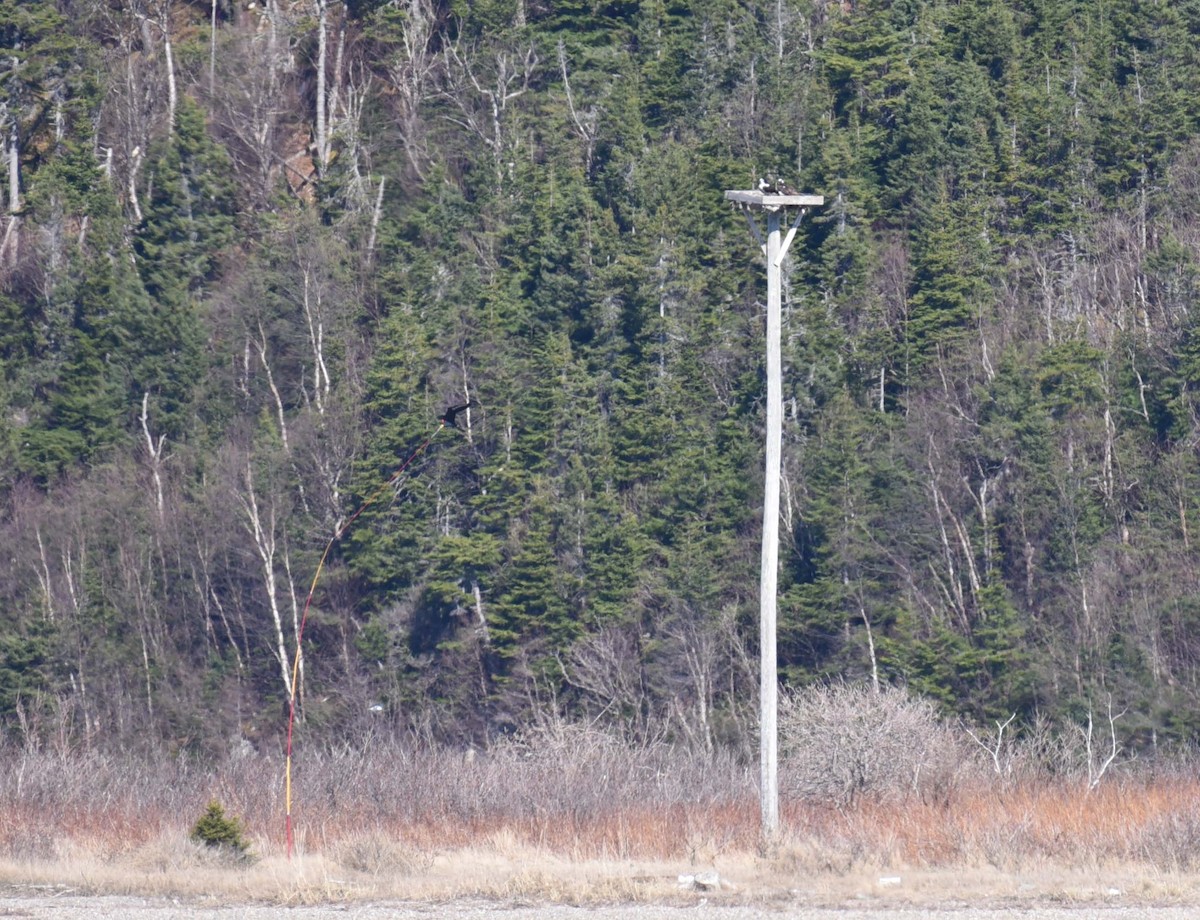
(448, 417)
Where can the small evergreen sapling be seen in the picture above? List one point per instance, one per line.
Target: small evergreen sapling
(215, 829)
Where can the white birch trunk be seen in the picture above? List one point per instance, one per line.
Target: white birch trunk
(466, 397)
(169, 55)
(147, 674)
(322, 138)
(154, 448)
(335, 92)
(261, 345)
(11, 241)
(862, 611)
(43, 577)
(14, 169)
(212, 50)
(485, 635)
(263, 531)
(375, 216)
(298, 671)
(135, 155)
(316, 338)
(75, 592)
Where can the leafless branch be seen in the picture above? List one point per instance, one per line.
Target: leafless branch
(1096, 770)
(995, 744)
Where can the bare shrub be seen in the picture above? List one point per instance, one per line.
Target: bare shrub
(587, 768)
(578, 787)
(377, 852)
(28, 844)
(841, 743)
(174, 851)
(1171, 841)
(908, 791)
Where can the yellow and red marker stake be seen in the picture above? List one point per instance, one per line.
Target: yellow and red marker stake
(287, 781)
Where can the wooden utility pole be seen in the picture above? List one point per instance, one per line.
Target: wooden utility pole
(774, 249)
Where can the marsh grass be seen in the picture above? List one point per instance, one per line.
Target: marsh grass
(577, 816)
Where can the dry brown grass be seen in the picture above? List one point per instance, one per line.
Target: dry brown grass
(575, 816)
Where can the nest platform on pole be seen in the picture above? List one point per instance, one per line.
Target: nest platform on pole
(774, 248)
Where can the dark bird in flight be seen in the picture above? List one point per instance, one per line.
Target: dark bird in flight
(452, 412)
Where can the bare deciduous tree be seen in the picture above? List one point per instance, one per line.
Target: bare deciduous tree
(251, 110)
(260, 347)
(327, 105)
(154, 450)
(412, 77)
(482, 88)
(261, 522)
(1099, 762)
(993, 744)
(586, 121)
(606, 666)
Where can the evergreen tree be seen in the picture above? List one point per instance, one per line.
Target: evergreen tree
(188, 222)
(950, 274)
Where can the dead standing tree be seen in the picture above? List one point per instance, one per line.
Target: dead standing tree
(482, 88)
(10, 241)
(328, 92)
(157, 18)
(412, 76)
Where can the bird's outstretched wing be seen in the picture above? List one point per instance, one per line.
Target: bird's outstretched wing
(451, 413)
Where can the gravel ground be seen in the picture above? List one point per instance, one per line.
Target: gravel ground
(74, 907)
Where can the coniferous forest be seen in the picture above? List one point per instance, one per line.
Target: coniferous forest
(250, 252)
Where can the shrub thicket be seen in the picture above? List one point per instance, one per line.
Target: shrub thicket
(841, 743)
